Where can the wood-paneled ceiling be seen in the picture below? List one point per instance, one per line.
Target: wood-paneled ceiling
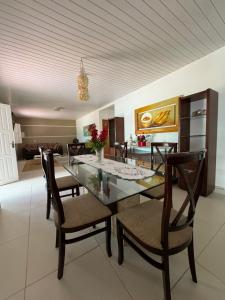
(125, 44)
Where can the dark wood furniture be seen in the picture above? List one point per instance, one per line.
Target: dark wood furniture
(200, 132)
(30, 150)
(115, 128)
(158, 156)
(73, 215)
(158, 152)
(75, 149)
(160, 229)
(64, 183)
(121, 150)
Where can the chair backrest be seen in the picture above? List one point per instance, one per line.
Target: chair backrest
(75, 149)
(193, 179)
(121, 150)
(41, 150)
(158, 152)
(51, 182)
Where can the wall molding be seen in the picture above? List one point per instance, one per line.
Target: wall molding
(48, 136)
(42, 125)
(220, 190)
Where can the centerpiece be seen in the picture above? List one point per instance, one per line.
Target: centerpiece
(141, 140)
(98, 141)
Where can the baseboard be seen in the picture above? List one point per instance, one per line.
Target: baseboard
(220, 190)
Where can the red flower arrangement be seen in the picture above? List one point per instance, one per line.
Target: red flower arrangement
(98, 141)
(141, 140)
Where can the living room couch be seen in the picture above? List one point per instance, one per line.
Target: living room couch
(30, 150)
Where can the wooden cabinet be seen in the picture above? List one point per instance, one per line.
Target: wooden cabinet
(198, 130)
(115, 128)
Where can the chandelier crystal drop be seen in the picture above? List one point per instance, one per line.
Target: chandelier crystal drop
(82, 83)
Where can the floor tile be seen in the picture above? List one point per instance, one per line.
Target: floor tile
(13, 266)
(207, 288)
(42, 254)
(89, 277)
(13, 224)
(211, 208)
(143, 281)
(17, 296)
(16, 196)
(212, 257)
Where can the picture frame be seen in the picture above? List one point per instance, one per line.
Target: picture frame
(158, 117)
(87, 129)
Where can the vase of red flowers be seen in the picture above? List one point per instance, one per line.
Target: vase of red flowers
(141, 140)
(98, 142)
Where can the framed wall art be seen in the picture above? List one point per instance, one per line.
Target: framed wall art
(87, 130)
(158, 117)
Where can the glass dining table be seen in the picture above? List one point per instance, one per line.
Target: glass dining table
(106, 187)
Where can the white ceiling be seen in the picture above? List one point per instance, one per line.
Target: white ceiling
(125, 45)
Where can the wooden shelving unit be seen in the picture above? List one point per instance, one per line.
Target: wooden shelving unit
(200, 132)
(115, 127)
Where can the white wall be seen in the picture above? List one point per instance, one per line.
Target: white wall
(84, 121)
(207, 72)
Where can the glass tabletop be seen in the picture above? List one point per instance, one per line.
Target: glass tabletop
(106, 187)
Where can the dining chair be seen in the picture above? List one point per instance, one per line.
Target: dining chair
(64, 183)
(75, 214)
(158, 152)
(75, 149)
(158, 228)
(121, 150)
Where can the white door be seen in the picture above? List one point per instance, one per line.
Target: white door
(8, 161)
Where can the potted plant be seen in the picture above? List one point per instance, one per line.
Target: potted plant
(141, 140)
(98, 141)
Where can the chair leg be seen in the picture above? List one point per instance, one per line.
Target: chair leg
(72, 192)
(191, 258)
(61, 254)
(166, 277)
(108, 237)
(77, 191)
(120, 242)
(57, 239)
(48, 204)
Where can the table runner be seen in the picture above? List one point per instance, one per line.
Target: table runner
(116, 168)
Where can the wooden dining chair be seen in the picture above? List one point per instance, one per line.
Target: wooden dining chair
(75, 214)
(121, 150)
(160, 229)
(64, 183)
(158, 152)
(75, 149)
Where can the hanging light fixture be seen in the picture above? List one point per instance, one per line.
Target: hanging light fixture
(82, 82)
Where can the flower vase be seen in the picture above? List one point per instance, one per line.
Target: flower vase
(99, 154)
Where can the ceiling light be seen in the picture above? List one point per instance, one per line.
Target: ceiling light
(59, 108)
(82, 83)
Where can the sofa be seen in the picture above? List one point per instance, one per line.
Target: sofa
(30, 150)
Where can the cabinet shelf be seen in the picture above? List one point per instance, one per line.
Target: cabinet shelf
(196, 135)
(191, 136)
(195, 117)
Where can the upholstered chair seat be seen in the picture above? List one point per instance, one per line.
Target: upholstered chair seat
(144, 221)
(80, 211)
(155, 193)
(66, 182)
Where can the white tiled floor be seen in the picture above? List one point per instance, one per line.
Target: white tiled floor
(28, 258)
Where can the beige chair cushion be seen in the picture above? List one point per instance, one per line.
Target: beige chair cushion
(82, 210)
(66, 182)
(155, 193)
(128, 202)
(144, 222)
